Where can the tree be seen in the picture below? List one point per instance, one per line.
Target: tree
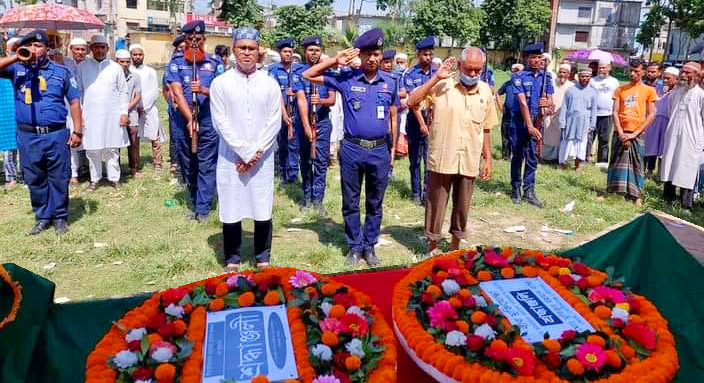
(457, 19)
(689, 16)
(395, 32)
(242, 13)
(300, 21)
(651, 26)
(510, 24)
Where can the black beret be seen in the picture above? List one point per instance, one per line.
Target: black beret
(178, 40)
(371, 39)
(389, 54)
(38, 35)
(196, 26)
(284, 43)
(535, 48)
(427, 42)
(312, 40)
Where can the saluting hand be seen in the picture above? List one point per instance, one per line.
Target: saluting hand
(445, 69)
(345, 57)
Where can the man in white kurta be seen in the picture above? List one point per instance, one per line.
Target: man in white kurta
(78, 48)
(149, 123)
(246, 109)
(577, 119)
(551, 136)
(105, 101)
(684, 138)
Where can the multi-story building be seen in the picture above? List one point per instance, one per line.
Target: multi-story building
(124, 16)
(605, 24)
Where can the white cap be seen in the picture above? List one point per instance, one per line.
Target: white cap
(296, 55)
(437, 60)
(402, 56)
(136, 46)
(566, 66)
(586, 70)
(122, 54)
(98, 39)
(518, 66)
(77, 41)
(547, 56)
(605, 60)
(673, 71)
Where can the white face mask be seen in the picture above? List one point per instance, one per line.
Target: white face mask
(469, 80)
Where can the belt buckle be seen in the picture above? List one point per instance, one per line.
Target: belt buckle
(41, 129)
(366, 144)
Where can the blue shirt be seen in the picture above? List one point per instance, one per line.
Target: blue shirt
(281, 75)
(530, 84)
(307, 87)
(180, 71)
(507, 90)
(415, 77)
(396, 75)
(488, 76)
(48, 106)
(366, 104)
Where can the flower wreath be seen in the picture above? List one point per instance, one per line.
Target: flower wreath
(453, 331)
(5, 278)
(338, 335)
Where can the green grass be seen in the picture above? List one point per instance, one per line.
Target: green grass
(126, 241)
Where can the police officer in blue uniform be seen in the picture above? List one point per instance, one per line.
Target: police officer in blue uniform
(416, 122)
(175, 119)
(286, 74)
(529, 92)
(369, 100)
(198, 169)
(313, 98)
(487, 73)
(387, 65)
(43, 140)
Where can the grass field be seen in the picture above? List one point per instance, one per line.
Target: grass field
(127, 240)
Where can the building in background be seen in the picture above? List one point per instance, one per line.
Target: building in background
(603, 24)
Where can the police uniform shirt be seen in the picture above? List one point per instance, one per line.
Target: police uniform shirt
(366, 104)
(488, 76)
(530, 84)
(180, 71)
(507, 91)
(306, 86)
(47, 106)
(281, 75)
(415, 77)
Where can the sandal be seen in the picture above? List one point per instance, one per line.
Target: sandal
(232, 267)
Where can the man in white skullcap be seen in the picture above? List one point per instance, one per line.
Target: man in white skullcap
(401, 61)
(105, 101)
(134, 92)
(149, 123)
(551, 136)
(78, 48)
(577, 116)
(605, 86)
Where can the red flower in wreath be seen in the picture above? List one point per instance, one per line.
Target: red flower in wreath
(157, 321)
(641, 334)
(344, 299)
(568, 335)
(495, 260)
(173, 296)
(353, 324)
(142, 373)
(521, 360)
(447, 264)
(475, 343)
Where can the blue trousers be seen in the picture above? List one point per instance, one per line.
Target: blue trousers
(371, 166)
(46, 166)
(313, 172)
(523, 150)
(288, 154)
(417, 153)
(174, 121)
(198, 169)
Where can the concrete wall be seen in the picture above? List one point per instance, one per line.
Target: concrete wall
(157, 45)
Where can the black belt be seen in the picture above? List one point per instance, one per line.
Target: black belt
(367, 144)
(41, 129)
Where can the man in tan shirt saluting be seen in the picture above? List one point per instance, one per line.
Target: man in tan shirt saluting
(459, 138)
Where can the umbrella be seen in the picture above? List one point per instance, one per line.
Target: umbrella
(50, 16)
(587, 55)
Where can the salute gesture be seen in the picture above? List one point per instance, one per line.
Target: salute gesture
(345, 57)
(446, 69)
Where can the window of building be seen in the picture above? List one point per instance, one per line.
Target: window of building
(157, 5)
(584, 12)
(581, 37)
(131, 4)
(133, 26)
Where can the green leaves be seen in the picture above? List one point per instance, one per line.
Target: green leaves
(457, 19)
(243, 13)
(200, 297)
(510, 24)
(297, 21)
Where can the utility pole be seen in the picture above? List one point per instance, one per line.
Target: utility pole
(555, 4)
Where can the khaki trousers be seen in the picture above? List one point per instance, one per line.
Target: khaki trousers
(439, 188)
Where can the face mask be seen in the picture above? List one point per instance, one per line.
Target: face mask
(468, 80)
(401, 67)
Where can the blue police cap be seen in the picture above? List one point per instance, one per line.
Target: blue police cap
(38, 35)
(371, 39)
(312, 40)
(178, 40)
(426, 43)
(535, 48)
(196, 26)
(284, 43)
(389, 54)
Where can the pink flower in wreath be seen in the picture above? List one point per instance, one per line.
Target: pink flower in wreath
(613, 295)
(326, 379)
(495, 260)
(442, 316)
(331, 325)
(302, 279)
(591, 356)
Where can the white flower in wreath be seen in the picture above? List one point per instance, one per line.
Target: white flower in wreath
(162, 354)
(479, 301)
(326, 306)
(322, 352)
(144, 381)
(354, 310)
(450, 287)
(619, 313)
(136, 334)
(576, 277)
(485, 331)
(455, 339)
(355, 348)
(125, 359)
(175, 311)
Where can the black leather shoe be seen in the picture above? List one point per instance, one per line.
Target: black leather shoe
(61, 226)
(353, 257)
(201, 218)
(40, 226)
(371, 258)
(531, 198)
(516, 196)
